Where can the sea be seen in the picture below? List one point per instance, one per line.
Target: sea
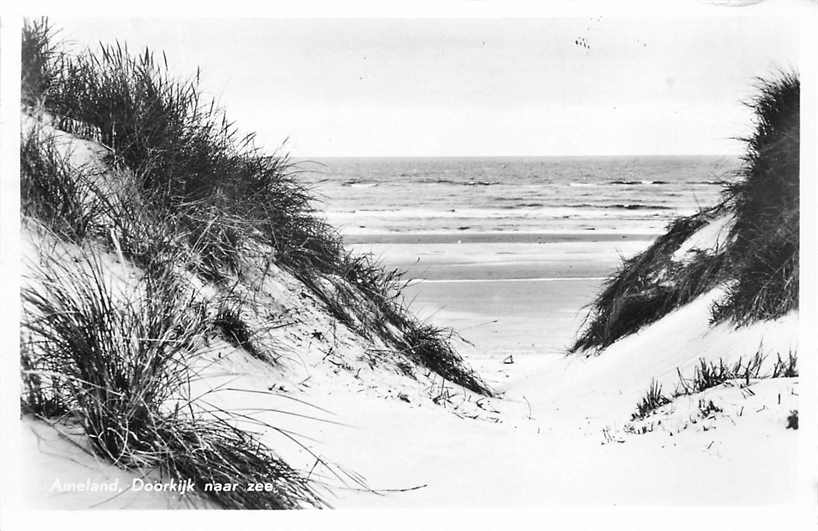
(389, 198)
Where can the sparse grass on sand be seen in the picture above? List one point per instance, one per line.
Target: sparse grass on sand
(709, 374)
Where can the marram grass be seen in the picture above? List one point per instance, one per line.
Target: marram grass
(120, 364)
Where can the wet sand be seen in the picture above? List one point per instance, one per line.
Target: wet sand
(506, 297)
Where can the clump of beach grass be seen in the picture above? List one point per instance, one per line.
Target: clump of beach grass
(63, 197)
(188, 157)
(653, 399)
(651, 284)
(430, 346)
(764, 252)
(708, 374)
(120, 364)
(757, 266)
(234, 325)
(39, 51)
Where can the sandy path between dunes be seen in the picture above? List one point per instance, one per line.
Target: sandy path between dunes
(551, 446)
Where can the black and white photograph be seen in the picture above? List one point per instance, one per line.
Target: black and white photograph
(410, 262)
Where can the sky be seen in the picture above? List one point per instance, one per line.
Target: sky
(473, 87)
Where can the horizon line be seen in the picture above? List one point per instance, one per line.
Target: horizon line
(309, 157)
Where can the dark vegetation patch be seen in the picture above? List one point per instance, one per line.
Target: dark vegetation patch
(758, 265)
(61, 196)
(431, 346)
(763, 256)
(238, 327)
(39, 51)
(651, 284)
(235, 330)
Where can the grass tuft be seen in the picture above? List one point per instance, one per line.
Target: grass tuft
(232, 324)
(39, 53)
(64, 198)
(431, 347)
(653, 399)
(787, 368)
(707, 408)
(708, 374)
(120, 364)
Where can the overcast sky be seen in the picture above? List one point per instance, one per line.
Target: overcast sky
(424, 87)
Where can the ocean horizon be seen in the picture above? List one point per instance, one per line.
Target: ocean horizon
(507, 195)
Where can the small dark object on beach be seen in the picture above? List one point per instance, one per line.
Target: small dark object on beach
(792, 420)
(509, 360)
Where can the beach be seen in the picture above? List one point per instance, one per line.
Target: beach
(505, 295)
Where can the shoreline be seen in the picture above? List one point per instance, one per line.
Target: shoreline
(465, 280)
(492, 261)
(400, 238)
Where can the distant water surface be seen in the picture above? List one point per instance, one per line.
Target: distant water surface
(513, 195)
